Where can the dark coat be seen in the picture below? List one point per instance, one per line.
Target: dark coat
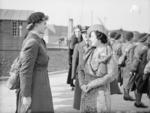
(140, 60)
(127, 62)
(147, 72)
(116, 55)
(73, 41)
(34, 80)
(77, 60)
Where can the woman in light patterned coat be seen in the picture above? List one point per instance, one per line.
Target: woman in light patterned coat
(95, 74)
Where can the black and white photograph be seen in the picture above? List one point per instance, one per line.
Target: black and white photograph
(75, 56)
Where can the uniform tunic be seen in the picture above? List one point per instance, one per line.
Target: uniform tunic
(79, 50)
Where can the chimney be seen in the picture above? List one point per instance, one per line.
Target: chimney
(70, 28)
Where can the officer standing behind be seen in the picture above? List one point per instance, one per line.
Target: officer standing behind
(79, 49)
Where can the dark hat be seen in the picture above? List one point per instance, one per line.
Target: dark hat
(84, 29)
(115, 35)
(128, 35)
(142, 37)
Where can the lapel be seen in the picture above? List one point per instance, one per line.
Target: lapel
(83, 47)
(40, 41)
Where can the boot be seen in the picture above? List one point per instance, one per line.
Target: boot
(140, 105)
(126, 96)
(138, 102)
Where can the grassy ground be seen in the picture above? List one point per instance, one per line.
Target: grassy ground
(58, 60)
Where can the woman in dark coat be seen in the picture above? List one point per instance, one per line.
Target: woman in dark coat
(76, 38)
(35, 93)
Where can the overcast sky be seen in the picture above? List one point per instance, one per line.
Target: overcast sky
(114, 13)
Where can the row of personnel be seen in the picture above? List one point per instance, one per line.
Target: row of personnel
(99, 60)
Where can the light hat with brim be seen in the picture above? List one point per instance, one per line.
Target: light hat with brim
(97, 27)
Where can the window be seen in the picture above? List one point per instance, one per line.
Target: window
(16, 28)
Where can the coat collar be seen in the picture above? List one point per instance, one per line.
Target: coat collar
(83, 43)
(38, 37)
(35, 35)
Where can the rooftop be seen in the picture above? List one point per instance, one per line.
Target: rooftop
(12, 14)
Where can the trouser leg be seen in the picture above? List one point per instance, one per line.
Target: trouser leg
(127, 95)
(138, 97)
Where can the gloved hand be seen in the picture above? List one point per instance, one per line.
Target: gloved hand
(145, 76)
(26, 101)
(84, 88)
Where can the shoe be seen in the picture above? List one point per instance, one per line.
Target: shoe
(141, 105)
(72, 88)
(129, 98)
(72, 85)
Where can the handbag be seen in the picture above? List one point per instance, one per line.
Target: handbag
(14, 80)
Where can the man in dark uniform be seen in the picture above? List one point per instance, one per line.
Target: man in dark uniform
(76, 61)
(141, 58)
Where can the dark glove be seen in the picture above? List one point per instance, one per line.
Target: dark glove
(145, 76)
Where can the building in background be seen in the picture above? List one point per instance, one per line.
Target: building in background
(12, 28)
(56, 36)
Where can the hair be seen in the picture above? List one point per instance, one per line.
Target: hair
(128, 36)
(34, 18)
(78, 27)
(101, 36)
(113, 34)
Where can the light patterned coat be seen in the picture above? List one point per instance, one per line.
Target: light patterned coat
(98, 98)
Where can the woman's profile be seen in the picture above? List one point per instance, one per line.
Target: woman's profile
(35, 93)
(97, 72)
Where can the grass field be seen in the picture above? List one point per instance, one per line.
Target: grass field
(58, 60)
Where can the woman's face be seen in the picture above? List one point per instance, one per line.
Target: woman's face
(84, 36)
(93, 39)
(112, 41)
(42, 27)
(77, 32)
